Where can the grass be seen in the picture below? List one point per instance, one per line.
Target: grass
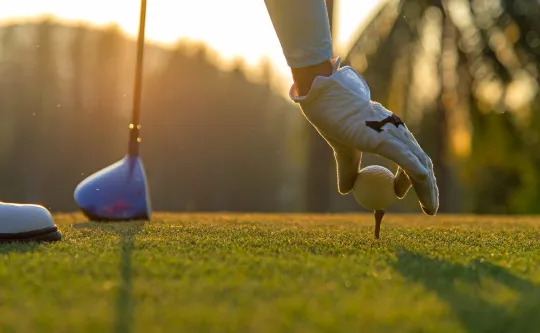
(277, 273)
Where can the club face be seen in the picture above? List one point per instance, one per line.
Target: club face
(118, 192)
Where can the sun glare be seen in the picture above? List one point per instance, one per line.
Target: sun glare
(234, 28)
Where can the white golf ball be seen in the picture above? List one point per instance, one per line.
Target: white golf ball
(374, 188)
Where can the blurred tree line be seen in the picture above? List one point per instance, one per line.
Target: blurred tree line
(464, 75)
(212, 139)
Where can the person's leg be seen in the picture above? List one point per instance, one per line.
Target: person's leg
(303, 30)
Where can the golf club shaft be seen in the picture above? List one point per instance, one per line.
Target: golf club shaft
(135, 122)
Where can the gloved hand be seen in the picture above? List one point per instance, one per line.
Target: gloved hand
(341, 110)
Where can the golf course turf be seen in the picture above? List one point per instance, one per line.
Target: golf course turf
(276, 273)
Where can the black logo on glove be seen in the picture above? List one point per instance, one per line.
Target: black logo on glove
(377, 125)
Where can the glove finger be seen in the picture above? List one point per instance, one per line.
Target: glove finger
(427, 192)
(347, 164)
(399, 153)
(422, 178)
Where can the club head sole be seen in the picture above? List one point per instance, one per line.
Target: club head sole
(50, 234)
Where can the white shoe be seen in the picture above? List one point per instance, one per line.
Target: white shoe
(26, 223)
(341, 110)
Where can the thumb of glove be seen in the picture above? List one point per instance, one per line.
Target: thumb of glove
(348, 164)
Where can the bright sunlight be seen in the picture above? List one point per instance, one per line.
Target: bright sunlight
(234, 28)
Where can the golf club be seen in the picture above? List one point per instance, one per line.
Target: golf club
(119, 192)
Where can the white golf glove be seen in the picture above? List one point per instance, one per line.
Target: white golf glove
(341, 110)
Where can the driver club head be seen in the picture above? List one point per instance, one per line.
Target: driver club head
(118, 192)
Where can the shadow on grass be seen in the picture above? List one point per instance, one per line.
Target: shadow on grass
(18, 247)
(461, 287)
(124, 299)
(127, 231)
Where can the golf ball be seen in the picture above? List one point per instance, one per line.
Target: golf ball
(374, 187)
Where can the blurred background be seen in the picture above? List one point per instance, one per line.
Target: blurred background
(219, 133)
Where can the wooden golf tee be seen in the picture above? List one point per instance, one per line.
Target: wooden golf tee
(378, 219)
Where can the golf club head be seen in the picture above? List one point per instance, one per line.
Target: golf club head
(118, 192)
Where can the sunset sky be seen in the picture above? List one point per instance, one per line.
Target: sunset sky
(221, 24)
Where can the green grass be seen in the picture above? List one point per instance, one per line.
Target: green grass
(277, 273)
